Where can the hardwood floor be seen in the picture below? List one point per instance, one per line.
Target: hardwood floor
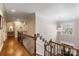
(12, 47)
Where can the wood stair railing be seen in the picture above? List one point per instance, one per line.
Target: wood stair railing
(22, 36)
(55, 49)
(50, 48)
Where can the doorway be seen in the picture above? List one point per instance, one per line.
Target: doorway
(10, 29)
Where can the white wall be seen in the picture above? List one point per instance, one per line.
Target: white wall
(31, 25)
(71, 39)
(46, 29)
(3, 33)
(19, 26)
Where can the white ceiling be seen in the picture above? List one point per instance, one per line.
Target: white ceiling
(26, 7)
(57, 12)
(52, 12)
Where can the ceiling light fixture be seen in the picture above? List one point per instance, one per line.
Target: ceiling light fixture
(13, 10)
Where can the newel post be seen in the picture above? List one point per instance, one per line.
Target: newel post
(50, 47)
(45, 48)
(35, 44)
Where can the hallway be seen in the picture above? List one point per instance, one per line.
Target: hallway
(12, 47)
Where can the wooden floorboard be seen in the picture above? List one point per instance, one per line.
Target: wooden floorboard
(12, 47)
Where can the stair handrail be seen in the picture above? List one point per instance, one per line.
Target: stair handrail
(34, 38)
(58, 44)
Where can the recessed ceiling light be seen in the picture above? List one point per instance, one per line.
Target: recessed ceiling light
(13, 10)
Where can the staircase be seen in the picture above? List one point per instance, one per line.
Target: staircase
(41, 47)
(50, 48)
(55, 49)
